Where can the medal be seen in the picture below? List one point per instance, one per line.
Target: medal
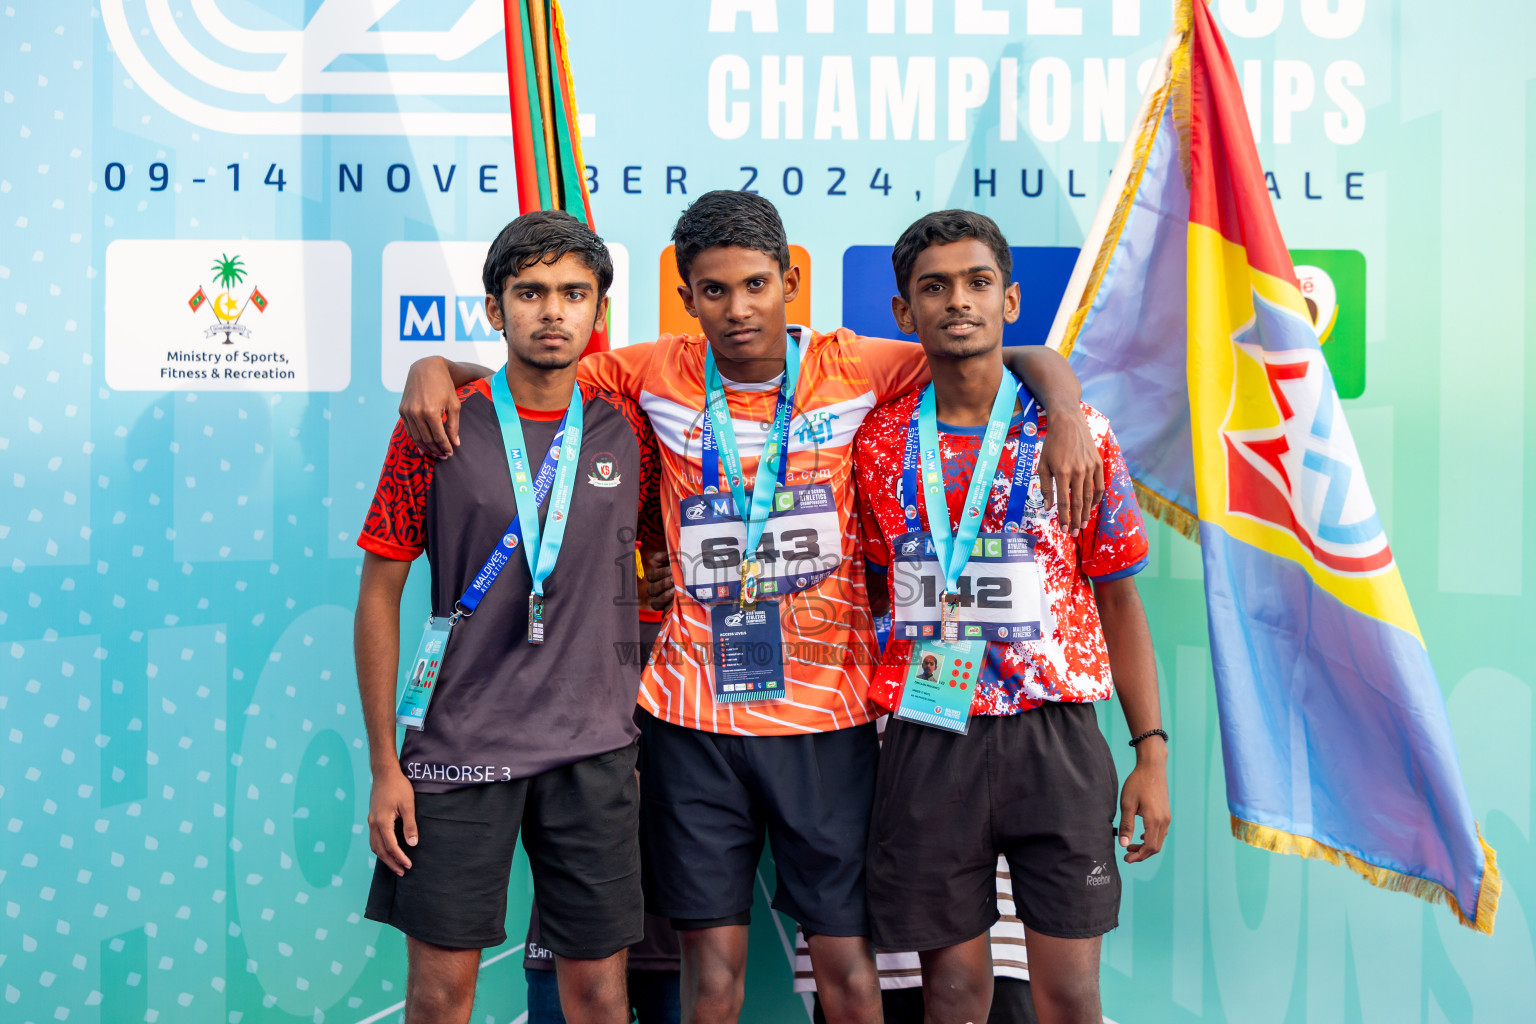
(535, 619)
(949, 617)
(749, 574)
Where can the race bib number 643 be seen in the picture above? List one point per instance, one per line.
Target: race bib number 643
(802, 543)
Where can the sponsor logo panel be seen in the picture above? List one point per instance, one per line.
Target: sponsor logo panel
(242, 315)
(1333, 285)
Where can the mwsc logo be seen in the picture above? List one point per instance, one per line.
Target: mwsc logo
(424, 318)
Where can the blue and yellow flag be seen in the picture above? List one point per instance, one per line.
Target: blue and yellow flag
(1186, 324)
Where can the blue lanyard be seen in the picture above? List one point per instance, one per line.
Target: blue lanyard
(541, 552)
(922, 454)
(773, 462)
(557, 471)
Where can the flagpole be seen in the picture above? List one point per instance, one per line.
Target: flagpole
(1088, 257)
(524, 158)
(538, 25)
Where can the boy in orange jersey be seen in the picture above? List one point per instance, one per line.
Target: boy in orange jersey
(754, 714)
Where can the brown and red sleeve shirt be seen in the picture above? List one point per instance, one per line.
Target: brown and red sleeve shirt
(503, 708)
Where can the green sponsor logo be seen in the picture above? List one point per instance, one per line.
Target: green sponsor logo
(995, 547)
(973, 631)
(1333, 285)
(783, 501)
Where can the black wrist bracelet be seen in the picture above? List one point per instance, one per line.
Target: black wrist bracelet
(1150, 733)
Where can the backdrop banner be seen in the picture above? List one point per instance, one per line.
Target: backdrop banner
(230, 225)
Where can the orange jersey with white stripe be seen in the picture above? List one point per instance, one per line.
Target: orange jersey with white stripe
(829, 640)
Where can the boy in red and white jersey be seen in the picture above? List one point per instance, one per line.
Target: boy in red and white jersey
(997, 752)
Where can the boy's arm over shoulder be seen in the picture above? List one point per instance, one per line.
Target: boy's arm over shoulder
(1071, 473)
(893, 368)
(429, 407)
(623, 371)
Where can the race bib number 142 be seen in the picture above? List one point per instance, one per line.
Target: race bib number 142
(1002, 595)
(802, 543)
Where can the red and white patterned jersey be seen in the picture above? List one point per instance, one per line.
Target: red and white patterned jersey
(827, 632)
(1069, 663)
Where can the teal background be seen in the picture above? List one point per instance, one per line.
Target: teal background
(182, 786)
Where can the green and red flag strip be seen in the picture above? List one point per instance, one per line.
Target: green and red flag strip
(546, 140)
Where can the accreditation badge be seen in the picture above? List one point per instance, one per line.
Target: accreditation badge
(802, 545)
(421, 677)
(747, 646)
(1000, 596)
(941, 681)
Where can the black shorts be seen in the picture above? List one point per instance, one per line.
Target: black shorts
(1011, 1004)
(707, 799)
(1038, 788)
(580, 826)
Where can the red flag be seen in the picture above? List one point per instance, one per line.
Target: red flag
(196, 301)
(258, 300)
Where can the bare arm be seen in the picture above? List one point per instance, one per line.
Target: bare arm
(1071, 472)
(1135, 673)
(429, 408)
(376, 646)
(655, 580)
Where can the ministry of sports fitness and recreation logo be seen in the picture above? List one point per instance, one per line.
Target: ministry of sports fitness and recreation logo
(229, 275)
(321, 68)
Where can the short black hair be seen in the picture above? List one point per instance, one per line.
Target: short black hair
(544, 236)
(728, 219)
(943, 228)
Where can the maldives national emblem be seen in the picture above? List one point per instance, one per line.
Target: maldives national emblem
(229, 273)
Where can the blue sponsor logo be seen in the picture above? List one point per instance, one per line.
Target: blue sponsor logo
(427, 318)
(471, 321)
(815, 428)
(869, 282)
(421, 317)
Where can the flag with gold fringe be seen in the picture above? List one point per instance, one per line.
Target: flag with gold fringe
(546, 138)
(1186, 324)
